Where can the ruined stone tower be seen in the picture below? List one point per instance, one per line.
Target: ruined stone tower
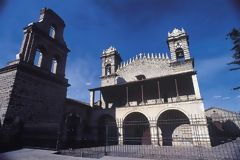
(33, 87)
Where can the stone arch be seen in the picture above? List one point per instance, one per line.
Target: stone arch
(55, 64)
(52, 31)
(136, 129)
(108, 70)
(107, 130)
(175, 127)
(179, 54)
(173, 108)
(39, 56)
(130, 112)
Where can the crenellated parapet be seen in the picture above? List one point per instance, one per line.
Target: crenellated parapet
(151, 66)
(145, 56)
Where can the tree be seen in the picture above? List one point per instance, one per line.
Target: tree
(234, 35)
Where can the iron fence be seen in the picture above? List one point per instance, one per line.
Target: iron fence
(175, 137)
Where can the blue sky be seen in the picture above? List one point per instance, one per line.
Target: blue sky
(134, 26)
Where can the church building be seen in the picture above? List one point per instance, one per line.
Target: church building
(151, 88)
(150, 99)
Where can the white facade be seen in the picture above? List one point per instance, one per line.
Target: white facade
(155, 87)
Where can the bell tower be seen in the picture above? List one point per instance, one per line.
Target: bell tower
(178, 45)
(43, 44)
(35, 82)
(110, 62)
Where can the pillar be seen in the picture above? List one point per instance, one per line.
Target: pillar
(92, 97)
(176, 86)
(154, 133)
(127, 97)
(120, 132)
(196, 87)
(200, 132)
(102, 101)
(159, 93)
(142, 95)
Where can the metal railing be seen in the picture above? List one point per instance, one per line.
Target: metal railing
(216, 137)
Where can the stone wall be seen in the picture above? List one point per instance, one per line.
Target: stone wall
(6, 84)
(151, 68)
(82, 112)
(34, 101)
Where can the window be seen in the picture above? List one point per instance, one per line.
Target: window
(52, 32)
(180, 54)
(108, 70)
(38, 58)
(140, 77)
(54, 66)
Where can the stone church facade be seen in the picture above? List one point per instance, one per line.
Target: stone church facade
(149, 88)
(153, 87)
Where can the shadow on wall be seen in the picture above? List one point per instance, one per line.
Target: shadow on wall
(222, 131)
(11, 134)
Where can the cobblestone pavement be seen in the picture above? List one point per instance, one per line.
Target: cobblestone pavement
(37, 154)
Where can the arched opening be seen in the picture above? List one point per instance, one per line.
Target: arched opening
(175, 128)
(136, 130)
(108, 69)
(38, 58)
(72, 121)
(54, 65)
(52, 32)
(180, 54)
(107, 131)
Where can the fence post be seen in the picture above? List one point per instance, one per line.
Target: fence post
(106, 140)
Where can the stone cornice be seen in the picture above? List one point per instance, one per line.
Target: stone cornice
(36, 71)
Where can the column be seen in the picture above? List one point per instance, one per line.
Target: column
(127, 101)
(120, 132)
(200, 132)
(103, 103)
(92, 97)
(159, 93)
(100, 95)
(153, 131)
(176, 85)
(142, 95)
(196, 87)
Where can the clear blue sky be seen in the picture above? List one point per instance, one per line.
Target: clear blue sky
(134, 26)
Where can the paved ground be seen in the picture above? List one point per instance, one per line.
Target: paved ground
(37, 154)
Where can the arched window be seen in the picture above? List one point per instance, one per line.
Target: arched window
(179, 54)
(52, 32)
(38, 58)
(54, 65)
(108, 69)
